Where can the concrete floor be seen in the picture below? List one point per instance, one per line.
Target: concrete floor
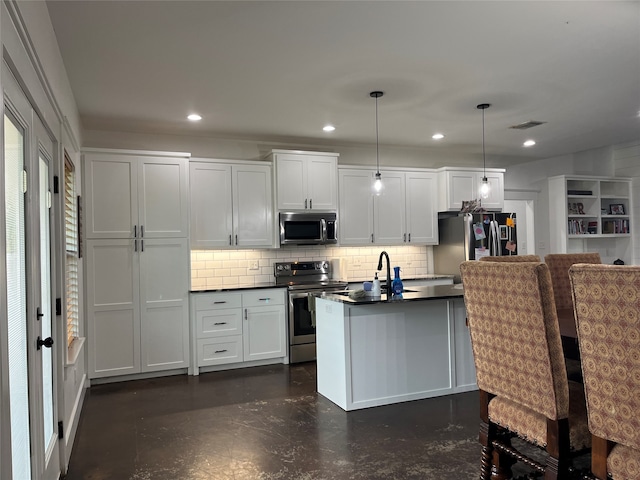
(267, 423)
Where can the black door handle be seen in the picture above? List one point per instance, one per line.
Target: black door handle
(47, 342)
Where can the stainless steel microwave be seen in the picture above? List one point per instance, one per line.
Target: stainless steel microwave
(308, 228)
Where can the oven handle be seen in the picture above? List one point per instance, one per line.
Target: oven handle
(323, 225)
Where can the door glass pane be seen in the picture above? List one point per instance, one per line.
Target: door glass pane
(45, 302)
(14, 152)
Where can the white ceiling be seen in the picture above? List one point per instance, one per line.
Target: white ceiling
(279, 71)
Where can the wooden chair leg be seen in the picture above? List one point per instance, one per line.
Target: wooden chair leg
(600, 449)
(485, 459)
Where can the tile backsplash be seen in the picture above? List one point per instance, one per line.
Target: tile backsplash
(228, 268)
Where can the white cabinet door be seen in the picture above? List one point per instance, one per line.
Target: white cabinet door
(422, 214)
(463, 186)
(291, 182)
(163, 197)
(110, 196)
(135, 195)
(252, 206)
(389, 211)
(355, 223)
(322, 184)
(164, 296)
(495, 201)
(113, 307)
(264, 333)
(211, 205)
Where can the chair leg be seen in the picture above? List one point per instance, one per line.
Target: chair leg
(485, 459)
(494, 465)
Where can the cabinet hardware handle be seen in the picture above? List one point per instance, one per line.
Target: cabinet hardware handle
(236, 239)
(305, 203)
(135, 231)
(311, 203)
(264, 299)
(220, 323)
(220, 351)
(142, 245)
(219, 302)
(409, 238)
(39, 313)
(245, 314)
(404, 237)
(230, 242)
(135, 245)
(141, 231)
(372, 238)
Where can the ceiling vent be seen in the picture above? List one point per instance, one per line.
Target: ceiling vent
(525, 125)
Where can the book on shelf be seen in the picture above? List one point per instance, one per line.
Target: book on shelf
(615, 226)
(579, 192)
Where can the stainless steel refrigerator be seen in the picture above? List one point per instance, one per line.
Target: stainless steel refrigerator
(470, 236)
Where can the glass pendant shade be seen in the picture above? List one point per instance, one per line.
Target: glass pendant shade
(485, 188)
(378, 186)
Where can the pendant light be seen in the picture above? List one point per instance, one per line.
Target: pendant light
(378, 186)
(484, 186)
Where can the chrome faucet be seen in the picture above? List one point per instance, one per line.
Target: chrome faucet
(388, 286)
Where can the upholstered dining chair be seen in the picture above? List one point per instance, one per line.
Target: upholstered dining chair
(607, 309)
(520, 369)
(512, 258)
(559, 264)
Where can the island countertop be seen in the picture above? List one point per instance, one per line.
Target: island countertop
(411, 294)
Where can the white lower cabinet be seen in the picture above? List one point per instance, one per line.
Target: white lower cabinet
(137, 305)
(237, 327)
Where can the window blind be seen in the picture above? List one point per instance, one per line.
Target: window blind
(71, 245)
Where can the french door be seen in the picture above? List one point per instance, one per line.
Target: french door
(32, 358)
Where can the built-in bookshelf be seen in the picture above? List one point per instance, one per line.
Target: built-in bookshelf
(591, 214)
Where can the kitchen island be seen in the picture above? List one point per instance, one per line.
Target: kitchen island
(373, 351)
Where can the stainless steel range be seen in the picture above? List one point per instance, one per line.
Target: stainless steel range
(303, 279)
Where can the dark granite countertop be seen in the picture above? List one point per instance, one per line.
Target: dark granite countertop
(411, 294)
(238, 287)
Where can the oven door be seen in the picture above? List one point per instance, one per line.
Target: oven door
(301, 327)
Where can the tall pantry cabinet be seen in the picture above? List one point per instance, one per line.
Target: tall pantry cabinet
(137, 279)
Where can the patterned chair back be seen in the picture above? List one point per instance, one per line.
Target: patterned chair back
(515, 334)
(559, 264)
(512, 258)
(607, 309)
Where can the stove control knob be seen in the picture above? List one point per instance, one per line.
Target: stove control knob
(279, 268)
(325, 264)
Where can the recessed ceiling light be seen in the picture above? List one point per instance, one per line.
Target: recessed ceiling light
(328, 128)
(529, 143)
(194, 117)
(437, 136)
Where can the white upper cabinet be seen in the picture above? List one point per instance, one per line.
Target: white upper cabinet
(389, 210)
(231, 205)
(421, 212)
(252, 206)
(306, 181)
(355, 216)
(457, 185)
(404, 214)
(135, 194)
(211, 205)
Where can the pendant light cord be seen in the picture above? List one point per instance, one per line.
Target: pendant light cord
(484, 157)
(377, 144)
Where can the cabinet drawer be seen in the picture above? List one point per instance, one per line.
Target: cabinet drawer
(218, 323)
(211, 301)
(263, 297)
(218, 351)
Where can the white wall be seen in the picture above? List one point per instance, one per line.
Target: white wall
(212, 147)
(528, 181)
(627, 164)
